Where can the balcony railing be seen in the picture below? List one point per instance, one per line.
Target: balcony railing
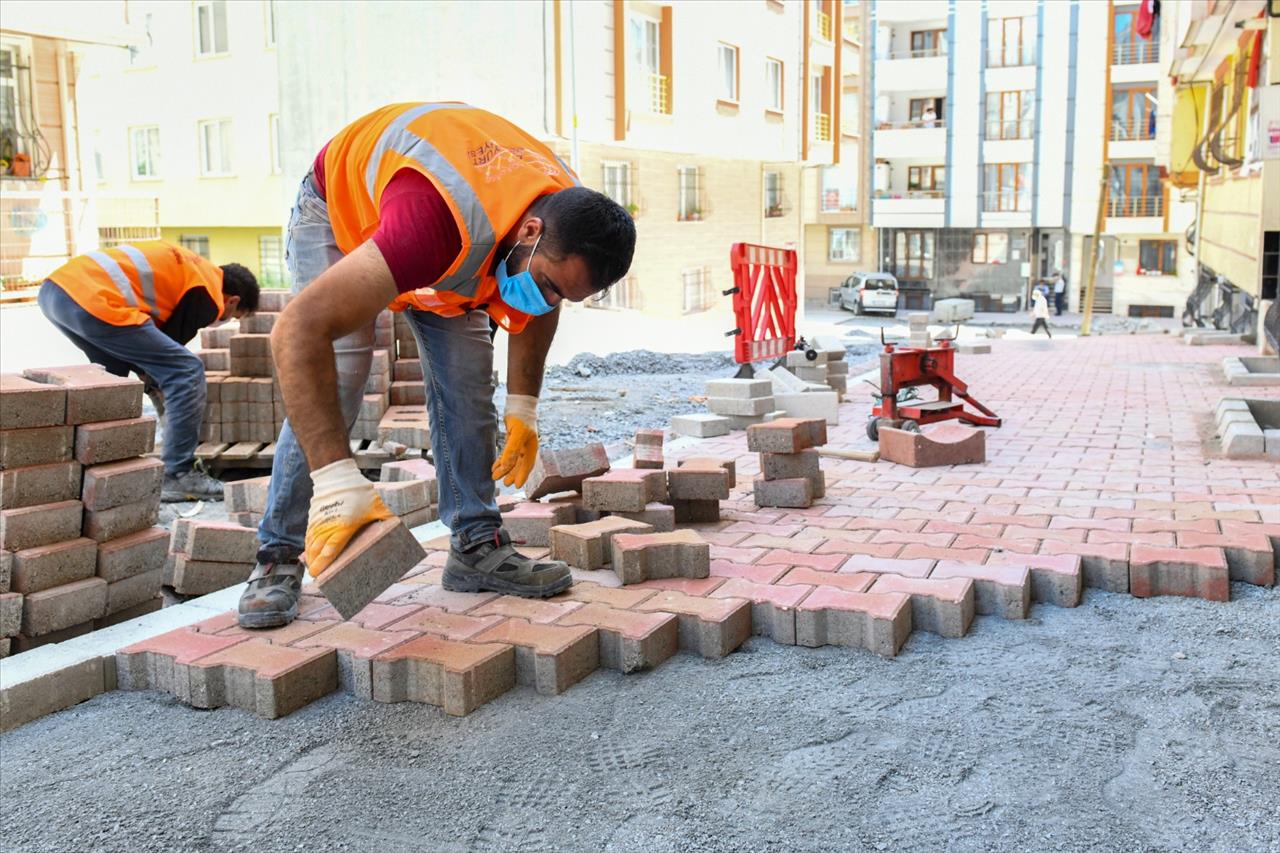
(920, 52)
(852, 28)
(1125, 206)
(1006, 201)
(1015, 129)
(659, 94)
(824, 26)
(822, 127)
(1135, 53)
(912, 123)
(1133, 129)
(910, 194)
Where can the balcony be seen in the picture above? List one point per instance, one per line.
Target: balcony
(1133, 130)
(912, 71)
(824, 26)
(912, 140)
(916, 208)
(1126, 206)
(1135, 53)
(822, 127)
(659, 94)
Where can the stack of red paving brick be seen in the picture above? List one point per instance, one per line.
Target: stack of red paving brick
(789, 472)
(78, 504)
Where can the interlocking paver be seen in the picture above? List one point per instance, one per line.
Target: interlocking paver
(1003, 591)
(629, 641)
(549, 658)
(835, 617)
(456, 677)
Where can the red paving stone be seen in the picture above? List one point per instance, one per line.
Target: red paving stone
(1100, 478)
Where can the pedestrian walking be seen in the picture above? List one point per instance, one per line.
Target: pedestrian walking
(1059, 291)
(1040, 310)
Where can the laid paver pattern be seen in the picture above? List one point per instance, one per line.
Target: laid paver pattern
(1104, 475)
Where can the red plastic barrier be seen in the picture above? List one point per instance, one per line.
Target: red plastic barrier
(764, 301)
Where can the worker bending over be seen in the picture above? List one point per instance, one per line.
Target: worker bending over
(134, 307)
(456, 216)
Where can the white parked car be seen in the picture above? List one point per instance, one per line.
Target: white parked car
(869, 291)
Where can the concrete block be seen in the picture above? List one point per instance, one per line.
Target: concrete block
(973, 349)
(215, 360)
(407, 370)
(811, 404)
(700, 425)
(108, 441)
(624, 490)
(201, 577)
(949, 444)
(796, 493)
(629, 642)
(377, 557)
(6, 570)
(35, 445)
(92, 393)
(121, 520)
(260, 323)
(1003, 591)
(133, 591)
(588, 546)
(39, 484)
(63, 606)
(698, 483)
(26, 404)
(800, 358)
(815, 373)
(785, 382)
(116, 483)
(711, 627)
(419, 517)
(264, 678)
(660, 516)
(213, 540)
(744, 422)
(408, 394)
(219, 337)
(408, 425)
(940, 606)
(837, 617)
(530, 522)
(728, 464)
(128, 614)
(132, 554)
(639, 557)
(47, 566)
(565, 470)
(773, 612)
(247, 495)
(1271, 442)
(33, 526)
(48, 680)
(405, 496)
(273, 300)
(695, 512)
(952, 310)
(917, 320)
(1189, 572)
(648, 448)
(739, 389)
(789, 435)
(10, 614)
(1243, 439)
(455, 676)
(549, 658)
(785, 466)
(748, 407)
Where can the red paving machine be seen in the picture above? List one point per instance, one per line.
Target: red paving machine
(903, 370)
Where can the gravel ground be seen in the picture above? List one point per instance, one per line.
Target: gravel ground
(1124, 724)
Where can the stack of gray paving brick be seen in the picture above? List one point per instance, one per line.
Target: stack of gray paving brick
(246, 500)
(743, 401)
(406, 374)
(918, 327)
(802, 388)
(206, 556)
(78, 505)
(790, 474)
(409, 489)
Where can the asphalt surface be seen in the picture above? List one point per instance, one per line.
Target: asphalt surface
(1123, 724)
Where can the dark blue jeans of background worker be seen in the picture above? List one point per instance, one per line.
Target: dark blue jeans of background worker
(145, 349)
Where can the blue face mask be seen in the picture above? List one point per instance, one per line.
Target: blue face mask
(520, 291)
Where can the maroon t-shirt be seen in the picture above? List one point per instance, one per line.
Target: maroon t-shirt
(416, 233)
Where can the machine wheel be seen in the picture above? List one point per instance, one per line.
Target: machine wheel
(873, 427)
(811, 354)
(910, 426)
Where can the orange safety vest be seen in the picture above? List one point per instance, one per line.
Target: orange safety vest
(131, 283)
(487, 170)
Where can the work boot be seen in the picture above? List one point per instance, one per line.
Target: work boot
(271, 598)
(194, 485)
(494, 565)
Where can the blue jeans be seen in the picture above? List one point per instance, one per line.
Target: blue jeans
(143, 349)
(457, 366)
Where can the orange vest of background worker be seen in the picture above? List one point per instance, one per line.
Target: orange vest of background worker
(134, 307)
(462, 217)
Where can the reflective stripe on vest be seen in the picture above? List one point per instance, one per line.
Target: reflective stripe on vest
(117, 275)
(146, 277)
(466, 280)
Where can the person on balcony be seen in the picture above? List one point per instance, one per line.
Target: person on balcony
(929, 118)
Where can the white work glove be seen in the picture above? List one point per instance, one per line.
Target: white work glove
(521, 418)
(342, 502)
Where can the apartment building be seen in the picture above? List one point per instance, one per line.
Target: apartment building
(1225, 150)
(998, 126)
(713, 123)
(190, 115)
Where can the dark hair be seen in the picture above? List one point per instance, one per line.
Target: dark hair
(583, 222)
(237, 280)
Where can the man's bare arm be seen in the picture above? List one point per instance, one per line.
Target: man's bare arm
(346, 297)
(527, 354)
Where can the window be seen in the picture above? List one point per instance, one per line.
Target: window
(929, 43)
(844, 245)
(1129, 48)
(197, 244)
(141, 55)
(617, 183)
(1133, 112)
(819, 106)
(274, 130)
(773, 83)
(621, 294)
(696, 287)
(1135, 190)
(1006, 187)
(653, 88)
(211, 27)
(772, 194)
(913, 255)
(1157, 257)
(271, 261)
(270, 10)
(215, 147)
(1009, 114)
(728, 73)
(144, 149)
(927, 179)
(17, 116)
(1011, 41)
(920, 108)
(990, 247)
(839, 188)
(689, 194)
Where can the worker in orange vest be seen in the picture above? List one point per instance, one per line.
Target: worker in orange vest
(134, 307)
(455, 216)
